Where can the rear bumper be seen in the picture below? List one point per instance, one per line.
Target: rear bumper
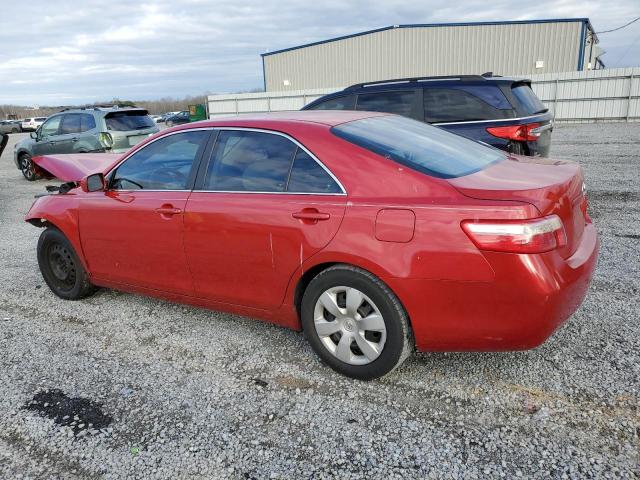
(529, 298)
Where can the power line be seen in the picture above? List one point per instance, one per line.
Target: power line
(619, 28)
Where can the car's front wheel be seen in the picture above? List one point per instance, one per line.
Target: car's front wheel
(27, 168)
(61, 268)
(355, 323)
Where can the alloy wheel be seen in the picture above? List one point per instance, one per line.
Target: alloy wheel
(350, 325)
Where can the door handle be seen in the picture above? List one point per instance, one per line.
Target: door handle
(168, 211)
(311, 215)
(74, 139)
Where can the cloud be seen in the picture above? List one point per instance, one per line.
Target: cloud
(61, 51)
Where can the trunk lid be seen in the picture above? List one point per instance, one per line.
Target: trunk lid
(74, 167)
(552, 186)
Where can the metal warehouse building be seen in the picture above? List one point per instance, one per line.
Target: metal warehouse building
(400, 51)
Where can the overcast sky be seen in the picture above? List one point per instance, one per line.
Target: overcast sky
(56, 52)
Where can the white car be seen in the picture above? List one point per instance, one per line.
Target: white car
(32, 124)
(155, 118)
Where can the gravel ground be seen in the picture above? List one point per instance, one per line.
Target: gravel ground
(183, 392)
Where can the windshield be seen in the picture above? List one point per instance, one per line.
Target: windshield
(124, 121)
(528, 100)
(419, 146)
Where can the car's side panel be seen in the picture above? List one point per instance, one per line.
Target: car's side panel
(243, 248)
(62, 213)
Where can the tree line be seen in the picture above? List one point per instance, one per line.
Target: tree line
(155, 107)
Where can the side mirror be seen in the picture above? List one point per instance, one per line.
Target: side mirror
(34, 135)
(93, 183)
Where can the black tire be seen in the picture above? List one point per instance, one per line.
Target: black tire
(61, 268)
(14, 130)
(27, 168)
(399, 339)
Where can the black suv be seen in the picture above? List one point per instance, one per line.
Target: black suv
(500, 111)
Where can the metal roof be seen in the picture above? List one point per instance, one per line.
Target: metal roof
(585, 21)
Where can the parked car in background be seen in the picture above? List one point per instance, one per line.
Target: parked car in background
(10, 126)
(84, 130)
(32, 124)
(368, 231)
(499, 111)
(164, 116)
(179, 118)
(155, 118)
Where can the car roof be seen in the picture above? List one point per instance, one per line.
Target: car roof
(324, 117)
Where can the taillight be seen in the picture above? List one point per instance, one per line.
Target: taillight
(517, 236)
(521, 133)
(106, 139)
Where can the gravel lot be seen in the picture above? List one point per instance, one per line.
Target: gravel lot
(192, 393)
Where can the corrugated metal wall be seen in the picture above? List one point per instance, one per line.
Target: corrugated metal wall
(426, 51)
(600, 95)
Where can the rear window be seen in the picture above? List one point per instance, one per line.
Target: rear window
(530, 103)
(124, 121)
(419, 146)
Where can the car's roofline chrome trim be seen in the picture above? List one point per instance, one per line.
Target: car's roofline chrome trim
(250, 129)
(489, 121)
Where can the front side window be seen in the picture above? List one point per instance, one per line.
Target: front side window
(457, 105)
(161, 165)
(399, 102)
(340, 103)
(50, 127)
(419, 146)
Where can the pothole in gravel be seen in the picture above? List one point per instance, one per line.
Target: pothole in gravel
(78, 413)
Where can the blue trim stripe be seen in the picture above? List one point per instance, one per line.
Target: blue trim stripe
(585, 21)
(583, 39)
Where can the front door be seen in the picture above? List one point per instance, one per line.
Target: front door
(262, 208)
(132, 234)
(47, 137)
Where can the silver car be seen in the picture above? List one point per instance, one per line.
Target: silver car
(84, 130)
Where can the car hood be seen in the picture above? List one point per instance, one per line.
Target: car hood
(74, 167)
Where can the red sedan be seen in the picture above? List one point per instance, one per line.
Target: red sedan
(373, 233)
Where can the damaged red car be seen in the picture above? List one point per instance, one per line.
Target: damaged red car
(372, 233)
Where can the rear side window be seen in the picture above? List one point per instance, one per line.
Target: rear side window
(340, 103)
(307, 176)
(70, 124)
(87, 122)
(457, 105)
(528, 100)
(399, 102)
(419, 146)
(126, 121)
(245, 161)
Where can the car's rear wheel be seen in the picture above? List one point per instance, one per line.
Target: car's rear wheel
(61, 268)
(27, 168)
(355, 323)
(14, 130)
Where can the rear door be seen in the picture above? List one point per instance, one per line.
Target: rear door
(132, 234)
(264, 204)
